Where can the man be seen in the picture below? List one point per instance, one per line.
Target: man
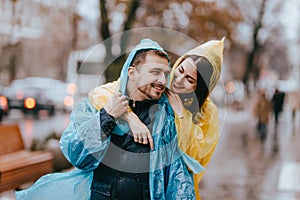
(124, 169)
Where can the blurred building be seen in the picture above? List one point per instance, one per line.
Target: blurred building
(36, 37)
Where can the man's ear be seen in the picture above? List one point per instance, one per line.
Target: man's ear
(131, 73)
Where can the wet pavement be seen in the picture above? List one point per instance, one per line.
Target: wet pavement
(245, 168)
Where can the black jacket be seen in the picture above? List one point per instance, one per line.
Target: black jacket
(124, 171)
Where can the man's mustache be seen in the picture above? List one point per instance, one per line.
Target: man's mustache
(141, 88)
(158, 85)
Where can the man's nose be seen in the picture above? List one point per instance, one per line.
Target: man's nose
(162, 79)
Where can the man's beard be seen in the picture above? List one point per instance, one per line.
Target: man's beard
(146, 90)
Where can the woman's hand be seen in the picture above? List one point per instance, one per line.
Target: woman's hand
(141, 133)
(175, 102)
(117, 105)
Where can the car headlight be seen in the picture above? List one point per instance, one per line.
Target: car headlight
(29, 103)
(3, 102)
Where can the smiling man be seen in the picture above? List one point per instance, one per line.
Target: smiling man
(126, 172)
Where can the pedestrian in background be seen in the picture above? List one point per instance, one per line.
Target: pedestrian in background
(277, 101)
(262, 110)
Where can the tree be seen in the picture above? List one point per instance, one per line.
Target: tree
(260, 21)
(9, 60)
(276, 51)
(201, 20)
(112, 72)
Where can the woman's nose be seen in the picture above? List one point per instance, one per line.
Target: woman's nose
(178, 79)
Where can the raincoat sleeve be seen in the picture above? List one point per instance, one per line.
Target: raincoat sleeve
(199, 140)
(83, 142)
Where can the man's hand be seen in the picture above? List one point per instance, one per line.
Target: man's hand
(117, 105)
(141, 133)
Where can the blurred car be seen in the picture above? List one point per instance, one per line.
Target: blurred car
(33, 94)
(3, 103)
(61, 96)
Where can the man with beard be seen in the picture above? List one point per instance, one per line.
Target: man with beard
(125, 167)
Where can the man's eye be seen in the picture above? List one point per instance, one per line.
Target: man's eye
(155, 72)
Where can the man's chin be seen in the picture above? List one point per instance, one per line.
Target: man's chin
(156, 96)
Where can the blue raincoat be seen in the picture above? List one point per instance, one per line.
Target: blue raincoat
(84, 148)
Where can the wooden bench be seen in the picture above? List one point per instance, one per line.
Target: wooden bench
(18, 165)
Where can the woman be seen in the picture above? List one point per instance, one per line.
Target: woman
(194, 76)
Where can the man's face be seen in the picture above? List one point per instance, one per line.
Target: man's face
(149, 78)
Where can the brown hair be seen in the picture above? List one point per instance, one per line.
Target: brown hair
(140, 56)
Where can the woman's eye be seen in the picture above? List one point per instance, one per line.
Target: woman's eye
(180, 69)
(190, 80)
(155, 72)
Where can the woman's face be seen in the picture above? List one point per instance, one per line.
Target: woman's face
(185, 77)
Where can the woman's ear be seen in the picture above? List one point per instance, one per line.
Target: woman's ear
(131, 73)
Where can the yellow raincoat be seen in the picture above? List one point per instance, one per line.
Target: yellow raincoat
(200, 140)
(196, 140)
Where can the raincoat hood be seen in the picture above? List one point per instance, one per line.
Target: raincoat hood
(143, 45)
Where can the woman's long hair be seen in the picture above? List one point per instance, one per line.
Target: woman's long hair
(194, 101)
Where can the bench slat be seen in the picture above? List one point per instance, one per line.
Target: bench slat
(24, 175)
(10, 139)
(22, 159)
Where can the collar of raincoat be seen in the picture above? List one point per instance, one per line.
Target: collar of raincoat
(213, 52)
(143, 45)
